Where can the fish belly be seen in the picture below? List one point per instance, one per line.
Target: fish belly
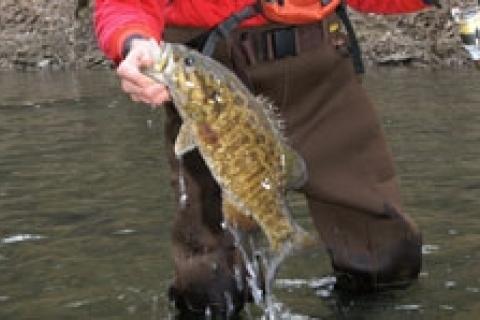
(246, 160)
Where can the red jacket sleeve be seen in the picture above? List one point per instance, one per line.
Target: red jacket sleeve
(387, 6)
(115, 20)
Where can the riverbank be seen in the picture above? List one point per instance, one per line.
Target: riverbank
(54, 34)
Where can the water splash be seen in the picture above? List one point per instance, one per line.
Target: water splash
(149, 123)
(323, 283)
(154, 306)
(253, 272)
(208, 313)
(229, 304)
(182, 186)
(261, 267)
(248, 312)
(21, 238)
(172, 310)
(238, 277)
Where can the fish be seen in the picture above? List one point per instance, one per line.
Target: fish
(239, 136)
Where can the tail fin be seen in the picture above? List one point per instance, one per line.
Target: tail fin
(303, 239)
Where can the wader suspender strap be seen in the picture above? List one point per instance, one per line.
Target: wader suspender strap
(354, 47)
(224, 28)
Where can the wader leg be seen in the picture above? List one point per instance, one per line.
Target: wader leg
(352, 191)
(208, 269)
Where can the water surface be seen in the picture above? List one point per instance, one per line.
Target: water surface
(85, 204)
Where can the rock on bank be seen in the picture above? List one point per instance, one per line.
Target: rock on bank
(56, 34)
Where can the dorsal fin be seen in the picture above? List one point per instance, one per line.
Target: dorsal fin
(272, 113)
(295, 168)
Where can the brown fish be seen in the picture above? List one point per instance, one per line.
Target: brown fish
(239, 139)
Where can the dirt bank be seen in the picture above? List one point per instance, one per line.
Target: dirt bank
(55, 34)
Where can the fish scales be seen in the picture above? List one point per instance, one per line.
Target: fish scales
(238, 140)
(256, 198)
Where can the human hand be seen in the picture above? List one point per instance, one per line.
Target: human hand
(136, 84)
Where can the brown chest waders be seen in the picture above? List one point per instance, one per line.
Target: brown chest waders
(352, 190)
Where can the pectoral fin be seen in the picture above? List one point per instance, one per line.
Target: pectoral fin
(296, 169)
(185, 141)
(236, 217)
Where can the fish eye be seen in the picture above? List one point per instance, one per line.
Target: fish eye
(189, 61)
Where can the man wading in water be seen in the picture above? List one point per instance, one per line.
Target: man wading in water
(307, 70)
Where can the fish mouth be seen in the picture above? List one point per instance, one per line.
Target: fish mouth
(163, 57)
(161, 54)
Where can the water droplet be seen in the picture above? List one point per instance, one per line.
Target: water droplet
(183, 200)
(214, 266)
(283, 160)
(182, 187)
(208, 313)
(238, 277)
(450, 284)
(266, 184)
(189, 84)
(229, 303)
(149, 123)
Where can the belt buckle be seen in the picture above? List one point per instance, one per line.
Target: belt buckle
(281, 43)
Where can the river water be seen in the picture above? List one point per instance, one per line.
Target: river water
(85, 204)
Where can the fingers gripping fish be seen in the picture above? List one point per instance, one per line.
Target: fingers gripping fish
(238, 137)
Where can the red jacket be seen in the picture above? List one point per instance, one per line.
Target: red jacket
(115, 20)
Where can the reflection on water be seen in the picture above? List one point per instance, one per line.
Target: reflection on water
(85, 207)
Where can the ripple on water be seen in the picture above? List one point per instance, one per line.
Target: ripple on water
(78, 304)
(124, 232)
(82, 165)
(408, 307)
(446, 307)
(450, 284)
(21, 238)
(430, 248)
(314, 283)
